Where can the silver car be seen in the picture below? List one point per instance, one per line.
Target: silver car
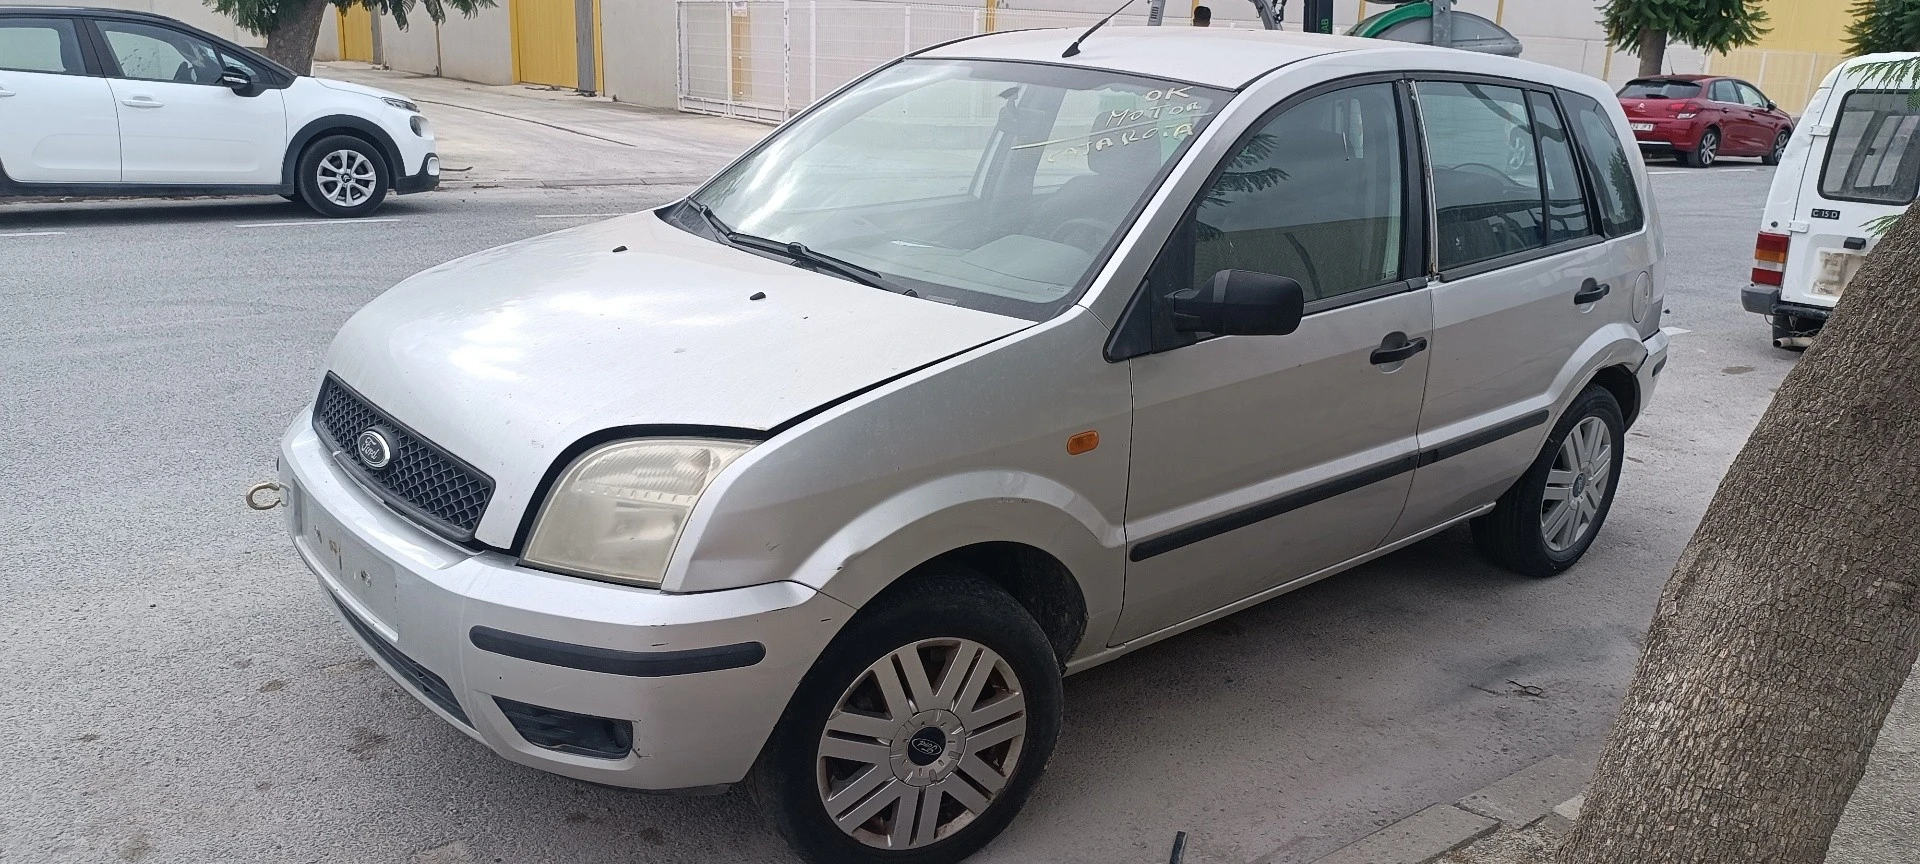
(994, 366)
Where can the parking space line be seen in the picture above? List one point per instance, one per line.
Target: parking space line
(315, 222)
(34, 234)
(1675, 331)
(578, 215)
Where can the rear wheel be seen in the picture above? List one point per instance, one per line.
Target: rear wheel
(1708, 151)
(1779, 147)
(1549, 518)
(918, 733)
(343, 177)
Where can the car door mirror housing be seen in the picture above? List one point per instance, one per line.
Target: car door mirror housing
(1239, 303)
(239, 80)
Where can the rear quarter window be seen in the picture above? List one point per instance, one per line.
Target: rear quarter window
(1873, 156)
(40, 45)
(1607, 165)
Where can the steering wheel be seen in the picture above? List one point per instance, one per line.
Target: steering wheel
(1080, 228)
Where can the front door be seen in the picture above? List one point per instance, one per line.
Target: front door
(178, 125)
(57, 122)
(1259, 460)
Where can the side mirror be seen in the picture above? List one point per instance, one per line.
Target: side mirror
(1240, 303)
(1772, 106)
(239, 80)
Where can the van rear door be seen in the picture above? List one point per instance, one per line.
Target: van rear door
(1864, 165)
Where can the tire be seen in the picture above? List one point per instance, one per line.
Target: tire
(948, 614)
(1517, 533)
(343, 177)
(1706, 153)
(1779, 147)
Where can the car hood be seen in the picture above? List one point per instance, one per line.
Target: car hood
(507, 357)
(362, 89)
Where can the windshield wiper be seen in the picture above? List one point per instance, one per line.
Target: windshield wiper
(802, 256)
(706, 213)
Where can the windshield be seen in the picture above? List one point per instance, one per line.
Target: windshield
(995, 186)
(1660, 90)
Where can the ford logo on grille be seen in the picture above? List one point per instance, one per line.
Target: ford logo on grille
(376, 451)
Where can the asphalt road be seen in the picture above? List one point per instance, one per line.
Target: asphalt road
(176, 690)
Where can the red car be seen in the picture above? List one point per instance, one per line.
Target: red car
(1700, 118)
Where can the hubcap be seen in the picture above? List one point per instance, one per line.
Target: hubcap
(346, 178)
(1577, 485)
(922, 743)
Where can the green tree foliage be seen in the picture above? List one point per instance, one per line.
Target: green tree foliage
(1884, 25)
(1644, 27)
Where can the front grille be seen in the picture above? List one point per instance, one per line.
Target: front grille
(422, 678)
(421, 480)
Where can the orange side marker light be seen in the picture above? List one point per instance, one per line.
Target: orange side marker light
(1083, 442)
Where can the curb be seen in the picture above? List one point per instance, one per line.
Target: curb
(1551, 787)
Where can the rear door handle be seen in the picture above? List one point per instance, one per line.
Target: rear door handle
(141, 102)
(1397, 347)
(1589, 292)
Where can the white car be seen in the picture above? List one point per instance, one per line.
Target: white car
(103, 102)
(1003, 361)
(1851, 167)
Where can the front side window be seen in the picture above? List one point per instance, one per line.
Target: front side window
(1751, 97)
(147, 53)
(40, 45)
(1316, 194)
(1486, 182)
(996, 186)
(1873, 155)
(1607, 165)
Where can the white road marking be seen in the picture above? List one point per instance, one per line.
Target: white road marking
(578, 215)
(1658, 173)
(1675, 331)
(34, 234)
(1703, 173)
(315, 222)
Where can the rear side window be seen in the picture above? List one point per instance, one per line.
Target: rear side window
(1486, 181)
(1657, 89)
(40, 45)
(1607, 165)
(1566, 203)
(1872, 157)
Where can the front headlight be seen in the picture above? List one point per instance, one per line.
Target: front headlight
(618, 510)
(401, 104)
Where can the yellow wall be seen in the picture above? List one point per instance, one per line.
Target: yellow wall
(1819, 26)
(356, 33)
(545, 50)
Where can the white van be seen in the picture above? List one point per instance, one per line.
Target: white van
(1013, 356)
(1853, 163)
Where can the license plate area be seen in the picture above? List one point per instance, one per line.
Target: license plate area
(1836, 271)
(364, 577)
(1643, 127)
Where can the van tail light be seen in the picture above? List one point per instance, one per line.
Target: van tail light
(1770, 259)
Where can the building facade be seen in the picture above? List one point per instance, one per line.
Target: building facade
(764, 59)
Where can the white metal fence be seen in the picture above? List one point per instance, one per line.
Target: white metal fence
(767, 59)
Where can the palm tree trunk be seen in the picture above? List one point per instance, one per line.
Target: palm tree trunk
(292, 43)
(1653, 52)
(1793, 616)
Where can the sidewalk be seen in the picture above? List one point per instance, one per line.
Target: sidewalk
(525, 135)
(1521, 818)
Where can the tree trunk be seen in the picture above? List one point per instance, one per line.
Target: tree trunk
(1793, 616)
(1653, 52)
(291, 44)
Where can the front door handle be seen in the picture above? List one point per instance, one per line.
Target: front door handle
(5, 92)
(141, 102)
(1590, 291)
(1397, 347)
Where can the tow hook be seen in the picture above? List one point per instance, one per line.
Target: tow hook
(256, 502)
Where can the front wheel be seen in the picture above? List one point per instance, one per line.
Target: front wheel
(343, 177)
(1707, 153)
(918, 733)
(1546, 521)
(1779, 148)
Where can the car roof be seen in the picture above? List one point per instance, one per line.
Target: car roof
(1216, 57)
(40, 11)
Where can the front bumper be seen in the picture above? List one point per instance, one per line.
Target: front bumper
(426, 179)
(700, 678)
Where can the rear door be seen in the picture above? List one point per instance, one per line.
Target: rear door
(1524, 276)
(178, 125)
(57, 119)
(1865, 165)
